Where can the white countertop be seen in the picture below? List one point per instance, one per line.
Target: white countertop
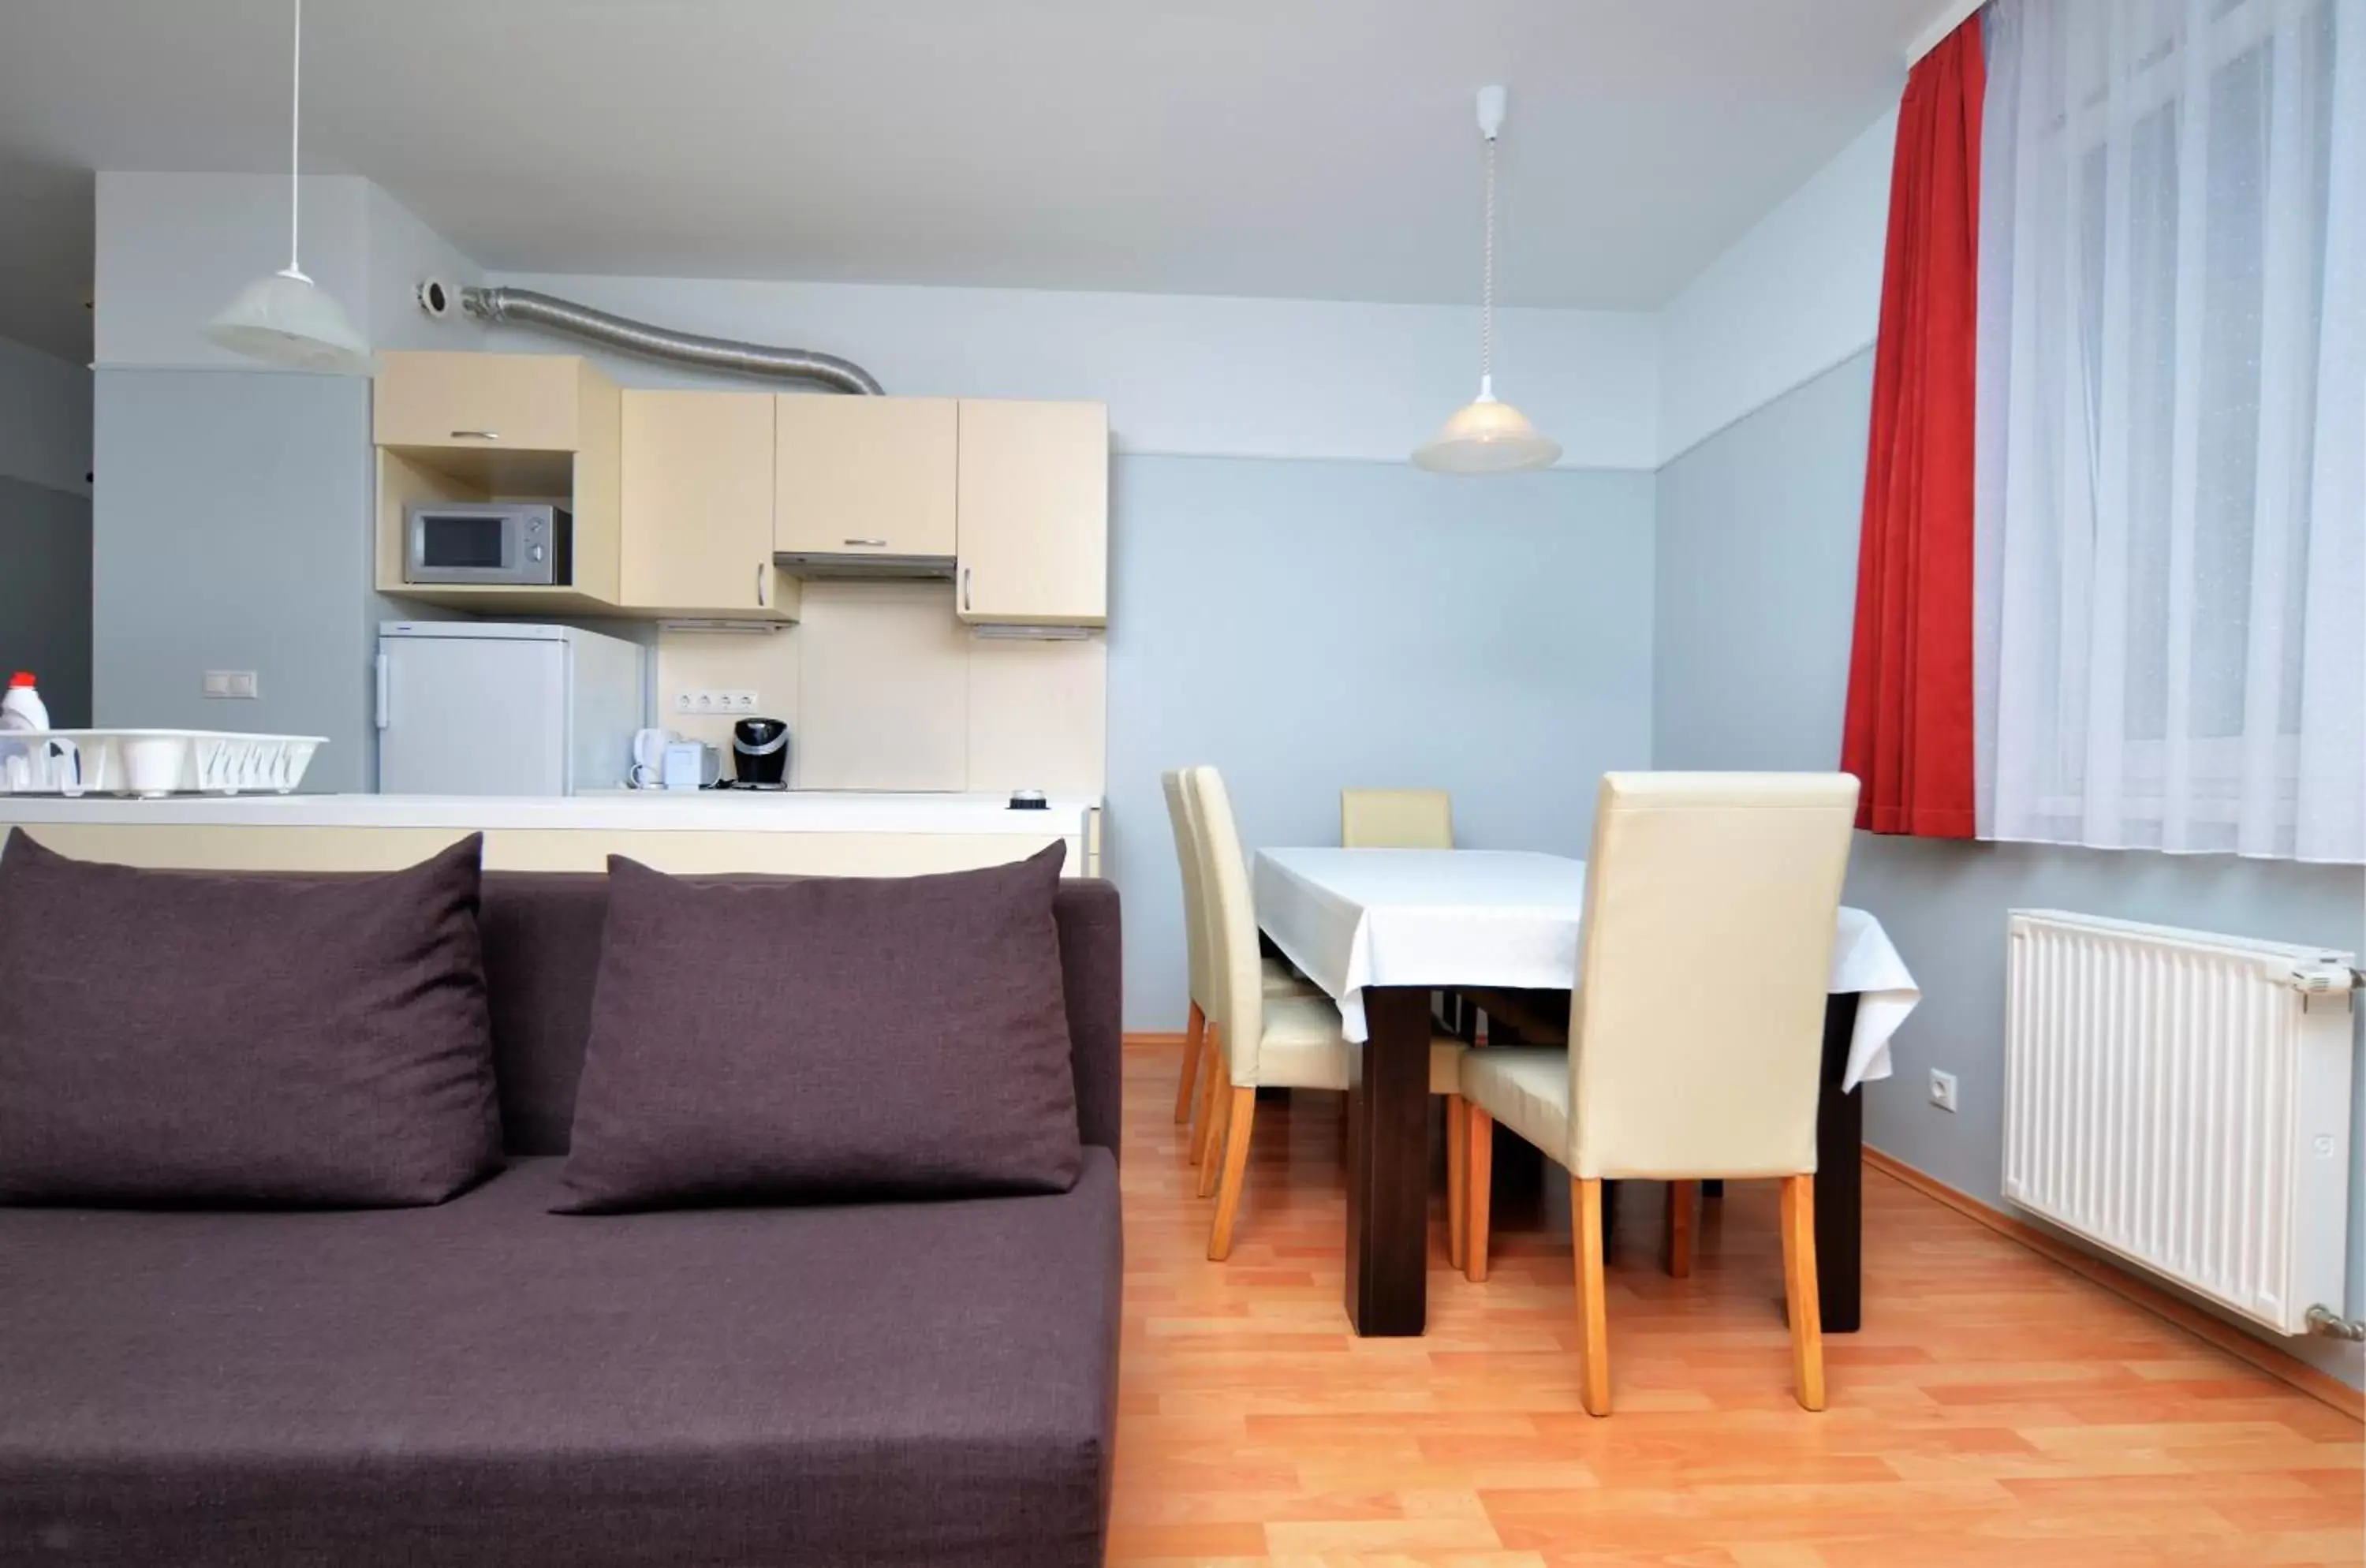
(733, 811)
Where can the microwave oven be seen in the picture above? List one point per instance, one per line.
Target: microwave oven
(498, 541)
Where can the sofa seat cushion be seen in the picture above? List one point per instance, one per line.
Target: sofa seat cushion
(489, 1384)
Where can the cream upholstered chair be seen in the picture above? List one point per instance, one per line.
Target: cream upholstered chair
(1696, 1029)
(1276, 976)
(1265, 1040)
(1396, 820)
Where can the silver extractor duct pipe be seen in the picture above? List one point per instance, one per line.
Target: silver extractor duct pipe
(526, 306)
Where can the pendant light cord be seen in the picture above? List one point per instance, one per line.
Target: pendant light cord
(1487, 282)
(295, 142)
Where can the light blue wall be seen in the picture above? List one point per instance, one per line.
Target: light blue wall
(1754, 605)
(44, 419)
(1757, 584)
(1306, 625)
(45, 594)
(231, 531)
(45, 527)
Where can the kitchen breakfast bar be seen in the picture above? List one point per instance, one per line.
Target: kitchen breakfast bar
(825, 833)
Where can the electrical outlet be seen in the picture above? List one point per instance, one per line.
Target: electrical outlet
(1942, 1089)
(230, 684)
(711, 701)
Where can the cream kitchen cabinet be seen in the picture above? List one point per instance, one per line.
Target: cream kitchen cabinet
(864, 477)
(1032, 513)
(714, 504)
(457, 426)
(698, 482)
(518, 403)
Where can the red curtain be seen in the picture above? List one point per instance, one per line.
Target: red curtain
(1909, 734)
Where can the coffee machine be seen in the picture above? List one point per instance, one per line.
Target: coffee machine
(760, 754)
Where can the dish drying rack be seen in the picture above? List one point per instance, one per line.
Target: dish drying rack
(152, 763)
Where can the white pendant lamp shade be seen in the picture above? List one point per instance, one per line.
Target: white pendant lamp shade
(285, 318)
(1485, 436)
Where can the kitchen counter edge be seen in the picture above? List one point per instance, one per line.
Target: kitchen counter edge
(814, 811)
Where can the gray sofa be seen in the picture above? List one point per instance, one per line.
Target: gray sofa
(485, 1383)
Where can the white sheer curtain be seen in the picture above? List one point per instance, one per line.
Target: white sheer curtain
(2172, 427)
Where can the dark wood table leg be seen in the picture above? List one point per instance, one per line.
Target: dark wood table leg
(1840, 1177)
(1387, 1165)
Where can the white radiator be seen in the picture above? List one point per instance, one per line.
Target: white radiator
(2183, 1100)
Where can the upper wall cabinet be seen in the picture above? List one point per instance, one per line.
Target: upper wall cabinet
(1033, 514)
(501, 426)
(863, 477)
(698, 507)
(712, 505)
(525, 402)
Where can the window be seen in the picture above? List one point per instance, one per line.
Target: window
(2172, 427)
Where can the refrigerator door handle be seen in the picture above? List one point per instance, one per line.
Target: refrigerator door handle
(385, 692)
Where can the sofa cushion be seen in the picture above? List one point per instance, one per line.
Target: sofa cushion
(818, 1037)
(488, 1384)
(541, 931)
(182, 1037)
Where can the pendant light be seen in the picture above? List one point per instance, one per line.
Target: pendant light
(1485, 436)
(284, 318)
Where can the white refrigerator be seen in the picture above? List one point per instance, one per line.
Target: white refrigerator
(481, 707)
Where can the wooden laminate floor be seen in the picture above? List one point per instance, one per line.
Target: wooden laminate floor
(1996, 1409)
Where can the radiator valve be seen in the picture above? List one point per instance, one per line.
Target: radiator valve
(2325, 979)
(2332, 1324)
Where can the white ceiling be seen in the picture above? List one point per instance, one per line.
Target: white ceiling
(1297, 148)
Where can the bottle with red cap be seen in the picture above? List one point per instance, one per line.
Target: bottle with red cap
(22, 708)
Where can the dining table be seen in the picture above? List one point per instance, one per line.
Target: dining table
(1381, 930)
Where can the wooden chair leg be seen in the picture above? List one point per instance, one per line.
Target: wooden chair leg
(1458, 1157)
(1188, 1084)
(1223, 1100)
(1478, 1187)
(1212, 1061)
(1799, 1290)
(1593, 1305)
(1238, 1120)
(1676, 1235)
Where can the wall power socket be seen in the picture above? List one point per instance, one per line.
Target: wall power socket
(1942, 1089)
(710, 701)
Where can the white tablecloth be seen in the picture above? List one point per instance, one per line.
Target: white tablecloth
(1349, 918)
